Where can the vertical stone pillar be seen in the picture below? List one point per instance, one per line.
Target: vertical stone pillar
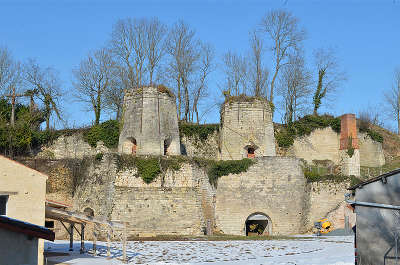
(349, 148)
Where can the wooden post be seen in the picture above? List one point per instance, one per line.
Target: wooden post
(94, 239)
(108, 241)
(71, 237)
(82, 250)
(124, 259)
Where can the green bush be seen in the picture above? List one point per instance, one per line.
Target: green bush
(284, 139)
(108, 132)
(99, 157)
(306, 126)
(313, 176)
(148, 168)
(201, 131)
(223, 168)
(375, 135)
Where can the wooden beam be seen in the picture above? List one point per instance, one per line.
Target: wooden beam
(82, 250)
(74, 217)
(71, 237)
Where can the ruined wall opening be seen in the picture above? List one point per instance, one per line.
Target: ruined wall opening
(258, 224)
(134, 146)
(251, 151)
(88, 211)
(167, 144)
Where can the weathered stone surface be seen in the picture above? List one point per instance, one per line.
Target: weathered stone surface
(326, 199)
(274, 186)
(71, 146)
(150, 122)
(177, 202)
(350, 166)
(321, 144)
(194, 147)
(371, 152)
(246, 125)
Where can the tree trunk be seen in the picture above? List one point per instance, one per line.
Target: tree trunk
(12, 122)
(271, 95)
(398, 122)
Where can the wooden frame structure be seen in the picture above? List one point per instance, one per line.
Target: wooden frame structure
(56, 211)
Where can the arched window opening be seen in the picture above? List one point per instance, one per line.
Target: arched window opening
(258, 224)
(250, 152)
(167, 143)
(88, 211)
(134, 146)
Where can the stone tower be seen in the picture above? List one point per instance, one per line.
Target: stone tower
(350, 164)
(247, 129)
(150, 123)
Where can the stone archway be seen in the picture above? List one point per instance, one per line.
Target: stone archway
(258, 224)
(167, 144)
(251, 150)
(88, 211)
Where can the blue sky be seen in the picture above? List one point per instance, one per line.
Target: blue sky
(364, 33)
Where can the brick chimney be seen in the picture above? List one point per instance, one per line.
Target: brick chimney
(348, 129)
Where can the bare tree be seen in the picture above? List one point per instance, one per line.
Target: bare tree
(155, 48)
(294, 88)
(330, 76)
(206, 66)
(282, 29)
(129, 45)
(114, 95)
(182, 48)
(46, 86)
(257, 72)
(93, 79)
(10, 79)
(235, 69)
(392, 99)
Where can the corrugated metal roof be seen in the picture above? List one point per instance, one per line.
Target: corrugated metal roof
(29, 229)
(388, 174)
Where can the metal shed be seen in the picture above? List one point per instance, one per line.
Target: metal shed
(377, 208)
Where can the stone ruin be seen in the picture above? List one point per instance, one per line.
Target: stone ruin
(150, 123)
(247, 130)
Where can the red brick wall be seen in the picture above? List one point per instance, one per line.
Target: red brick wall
(348, 129)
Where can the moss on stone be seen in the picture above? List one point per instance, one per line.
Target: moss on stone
(199, 131)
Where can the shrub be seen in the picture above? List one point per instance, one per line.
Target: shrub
(350, 148)
(98, 157)
(284, 139)
(108, 132)
(148, 168)
(375, 135)
(224, 168)
(201, 131)
(166, 90)
(305, 126)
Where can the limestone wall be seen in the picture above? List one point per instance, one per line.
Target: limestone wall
(371, 152)
(324, 144)
(326, 199)
(149, 119)
(321, 144)
(71, 146)
(194, 147)
(177, 202)
(274, 186)
(244, 125)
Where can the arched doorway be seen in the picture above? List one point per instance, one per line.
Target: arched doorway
(88, 211)
(251, 150)
(167, 143)
(258, 224)
(134, 146)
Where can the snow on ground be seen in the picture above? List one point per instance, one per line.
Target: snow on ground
(309, 251)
